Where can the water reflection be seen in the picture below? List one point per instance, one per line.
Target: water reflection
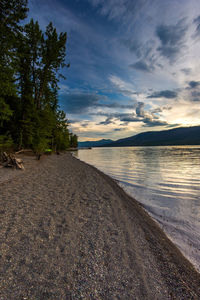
(166, 180)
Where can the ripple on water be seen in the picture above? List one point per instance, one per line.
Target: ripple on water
(166, 180)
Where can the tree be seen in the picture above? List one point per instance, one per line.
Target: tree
(11, 13)
(73, 140)
(30, 62)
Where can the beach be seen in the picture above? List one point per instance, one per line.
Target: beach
(68, 231)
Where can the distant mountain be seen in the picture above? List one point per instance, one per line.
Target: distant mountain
(177, 136)
(94, 143)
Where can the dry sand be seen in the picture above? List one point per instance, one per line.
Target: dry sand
(70, 232)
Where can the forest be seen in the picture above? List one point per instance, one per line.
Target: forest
(30, 69)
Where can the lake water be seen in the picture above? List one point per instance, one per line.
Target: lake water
(166, 180)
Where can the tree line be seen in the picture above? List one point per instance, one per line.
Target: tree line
(30, 64)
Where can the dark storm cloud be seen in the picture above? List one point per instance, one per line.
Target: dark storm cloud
(129, 119)
(195, 94)
(171, 38)
(142, 66)
(164, 94)
(149, 122)
(197, 22)
(148, 118)
(193, 89)
(194, 84)
(81, 103)
(116, 105)
(140, 115)
(140, 109)
(112, 117)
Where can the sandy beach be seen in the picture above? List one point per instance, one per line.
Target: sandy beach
(69, 231)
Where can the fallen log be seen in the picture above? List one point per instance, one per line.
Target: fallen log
(23, 150)
(5, 157)
(10, 161)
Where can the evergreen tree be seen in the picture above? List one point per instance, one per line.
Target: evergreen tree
(61, 134)
(11, 13)
(30, 61)
(73, 140)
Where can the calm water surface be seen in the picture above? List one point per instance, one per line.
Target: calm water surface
(166, 180)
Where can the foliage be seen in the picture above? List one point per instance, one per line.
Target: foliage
(6, 143)
(30, 62)
(73, 140)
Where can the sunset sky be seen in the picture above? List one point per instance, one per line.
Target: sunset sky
(135, 64)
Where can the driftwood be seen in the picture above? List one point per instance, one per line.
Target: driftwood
(10, 161)
(23, 150)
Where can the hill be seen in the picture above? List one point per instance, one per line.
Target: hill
(94, 143)
(177, 136)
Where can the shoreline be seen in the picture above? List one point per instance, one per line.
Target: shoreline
(180, 229)
(69, 230)
(150, 215)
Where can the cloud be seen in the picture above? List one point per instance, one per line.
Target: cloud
(194, 84)
(160, 109)
(186, 71)
(84, 124)
(171, 38)
(123, 87)
(74, 121)
(112, 35)
(142, 66)
(134, 46)
(197, 22)
(119, 129)
(109, 120)
(121, 84)
(196, 93)
(79, 103)
(140, 109)
(145, 52)
(149, 122)
(124, 10)
(148, 118)
(116, 105)
(193, 91)
(156, 110)
(129, 119)
(164, 94)
(112, 117)
(139, 115)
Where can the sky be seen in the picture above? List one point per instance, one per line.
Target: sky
(134, 64)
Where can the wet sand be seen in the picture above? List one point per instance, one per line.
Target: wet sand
(68, 231)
